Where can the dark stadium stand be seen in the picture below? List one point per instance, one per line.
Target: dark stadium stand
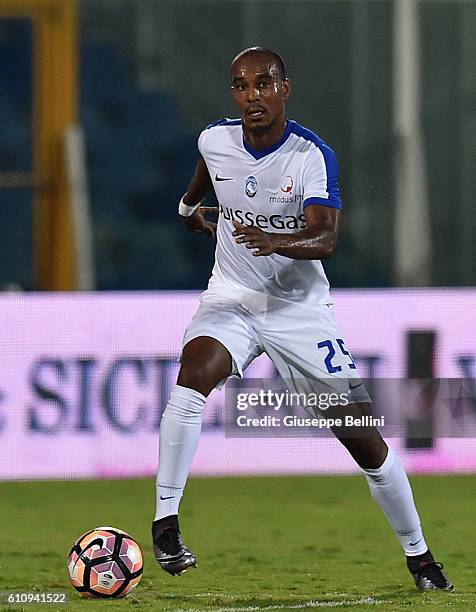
(140, 157)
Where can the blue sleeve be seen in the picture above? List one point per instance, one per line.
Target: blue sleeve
(321, 178)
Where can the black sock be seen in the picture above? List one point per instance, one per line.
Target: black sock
(168, 522)
(414, 562)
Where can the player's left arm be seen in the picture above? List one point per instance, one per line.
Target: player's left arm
(316, 241)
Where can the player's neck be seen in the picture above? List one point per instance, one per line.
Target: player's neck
(260, 140)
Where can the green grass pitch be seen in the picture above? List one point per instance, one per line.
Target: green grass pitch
(274, 543)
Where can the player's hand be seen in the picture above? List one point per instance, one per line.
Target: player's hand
(198, 223)
(262, 243)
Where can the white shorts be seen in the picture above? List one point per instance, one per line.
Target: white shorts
(303, 342)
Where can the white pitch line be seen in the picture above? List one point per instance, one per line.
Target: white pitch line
(368, 601)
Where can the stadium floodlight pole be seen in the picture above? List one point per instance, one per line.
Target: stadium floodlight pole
(412, 239)
(76, 173)
(467, 177)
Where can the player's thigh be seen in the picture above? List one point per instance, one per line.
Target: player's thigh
(310, 353)
(220, 341)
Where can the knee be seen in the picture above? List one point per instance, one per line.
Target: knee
(205, 362)
(368, 452)
(199, 375)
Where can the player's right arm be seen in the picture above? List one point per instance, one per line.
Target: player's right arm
(200, 185)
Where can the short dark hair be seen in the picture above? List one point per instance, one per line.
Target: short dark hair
(265, 51)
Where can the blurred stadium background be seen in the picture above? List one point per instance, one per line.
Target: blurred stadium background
(390, 85)
(101, 102)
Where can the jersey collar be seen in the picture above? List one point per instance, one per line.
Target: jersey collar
(263, 152)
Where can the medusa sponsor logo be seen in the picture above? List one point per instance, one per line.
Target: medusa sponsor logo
(263, 222)
(290, 199)
(287, 184)
(286, 188)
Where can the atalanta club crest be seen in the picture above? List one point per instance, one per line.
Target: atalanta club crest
(251, 186)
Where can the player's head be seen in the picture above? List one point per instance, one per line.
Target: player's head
(260, 87)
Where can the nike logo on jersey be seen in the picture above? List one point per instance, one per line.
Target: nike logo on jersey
(223, 178)
(170, 497)
(415, 543)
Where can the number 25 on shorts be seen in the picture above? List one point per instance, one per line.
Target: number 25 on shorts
(331, 353)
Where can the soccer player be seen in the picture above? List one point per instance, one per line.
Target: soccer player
(279, 210)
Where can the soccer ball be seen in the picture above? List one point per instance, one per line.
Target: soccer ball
(105, 562)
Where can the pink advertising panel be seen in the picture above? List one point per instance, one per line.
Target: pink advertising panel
(84, 379)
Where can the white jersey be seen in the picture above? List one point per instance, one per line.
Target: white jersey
(268, 189)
